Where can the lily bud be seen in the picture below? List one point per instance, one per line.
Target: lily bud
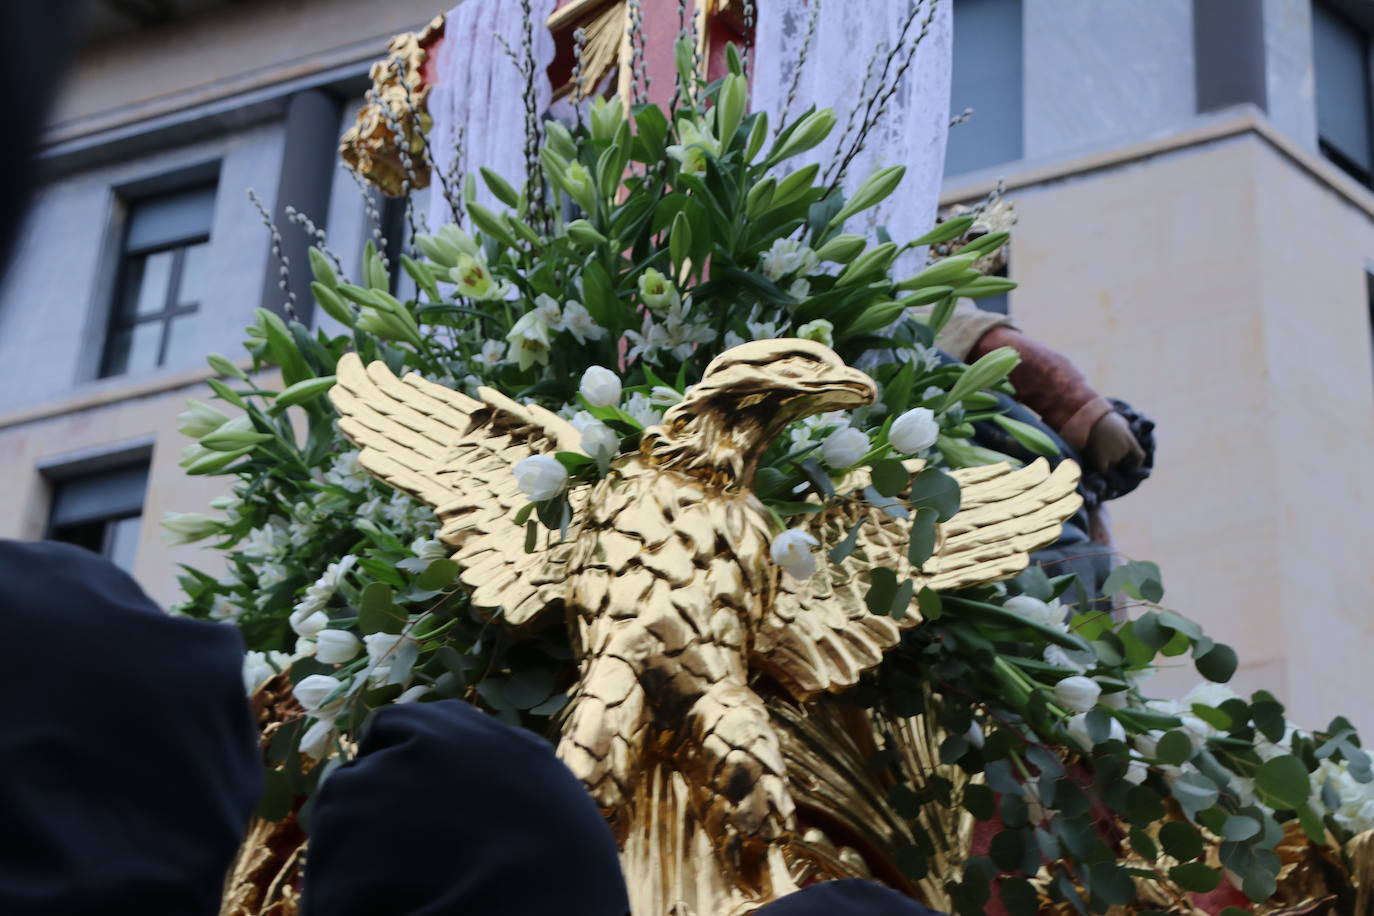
(321, 269)
(874, 189)
(186, 527)
(584, 234)
(812, 130)
(234, 434)
(842, 248)
(198, 419)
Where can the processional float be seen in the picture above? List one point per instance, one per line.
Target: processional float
(713, 719)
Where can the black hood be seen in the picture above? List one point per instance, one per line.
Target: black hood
(128, 752)
(448, 811)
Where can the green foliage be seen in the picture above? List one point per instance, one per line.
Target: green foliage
(665, 239)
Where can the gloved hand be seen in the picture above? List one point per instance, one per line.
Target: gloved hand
(1112, 445)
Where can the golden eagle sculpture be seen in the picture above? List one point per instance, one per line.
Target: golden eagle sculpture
(703, 665)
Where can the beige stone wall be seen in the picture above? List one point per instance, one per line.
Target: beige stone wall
(104, 425)
(1220, 288)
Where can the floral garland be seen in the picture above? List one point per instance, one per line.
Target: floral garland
(664, 238)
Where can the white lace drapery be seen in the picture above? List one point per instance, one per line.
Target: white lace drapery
(478, 99)
(843, 64)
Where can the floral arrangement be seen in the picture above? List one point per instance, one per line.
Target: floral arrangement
(646, 242)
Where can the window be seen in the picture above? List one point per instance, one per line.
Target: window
(162, 277)
(101, 511)
(1340, 55)
(987, 78)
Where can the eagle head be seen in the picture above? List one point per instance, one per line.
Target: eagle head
(747, 396)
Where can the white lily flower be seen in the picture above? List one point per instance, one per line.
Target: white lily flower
(578, 322)
(529, 341)
(474, 279)
(820, 330)
(787, 256)
(491, 354)
(642, 411)
(657, 291)
(697, 143)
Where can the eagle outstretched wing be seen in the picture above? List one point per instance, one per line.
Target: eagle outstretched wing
(819, 635)
(456, 454)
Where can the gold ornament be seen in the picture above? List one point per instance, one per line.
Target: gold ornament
(391, 127)
(700, 718)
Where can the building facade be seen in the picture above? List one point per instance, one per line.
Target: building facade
(1196, 229)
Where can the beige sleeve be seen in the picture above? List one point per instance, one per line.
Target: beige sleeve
(965, 327)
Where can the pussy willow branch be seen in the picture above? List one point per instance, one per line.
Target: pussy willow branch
(283, 262)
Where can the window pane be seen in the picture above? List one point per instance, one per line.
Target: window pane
(987, 78)
(155, 275)
(181, 339)
(135, 349)
(193, 268)
(121, 541)
(77, 500)
(158, 221)
(1339, 56)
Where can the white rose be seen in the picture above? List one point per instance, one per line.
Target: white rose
(540, 477)
(334, 647)
(600, 386)
(1077, 693)
(1078, 731)
(315, 741)
(792, 551)
(844, 447)
(312, 691)
(914, 431)
(599, 440)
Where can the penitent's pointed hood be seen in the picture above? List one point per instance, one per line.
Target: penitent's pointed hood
(128, 757)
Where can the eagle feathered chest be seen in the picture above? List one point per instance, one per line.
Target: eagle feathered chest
(688, 561)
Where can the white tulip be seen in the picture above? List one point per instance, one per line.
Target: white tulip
(388, 652)
(792, 551)
(1136, 771)
(599, 440)
(540, 477)
(312, 691)
(600, 386)
(1148, 744)
(844, 447)
(309, 624)
(974, 735)
(334, 647)
(414, 693)
(1118, 700)
(914, 431)
(315, 741)
(1077, 693)
(1078, 731)
(1054, 655)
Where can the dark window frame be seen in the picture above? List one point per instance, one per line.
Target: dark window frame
(123, 314)
(73, 521)
(1362, 26)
